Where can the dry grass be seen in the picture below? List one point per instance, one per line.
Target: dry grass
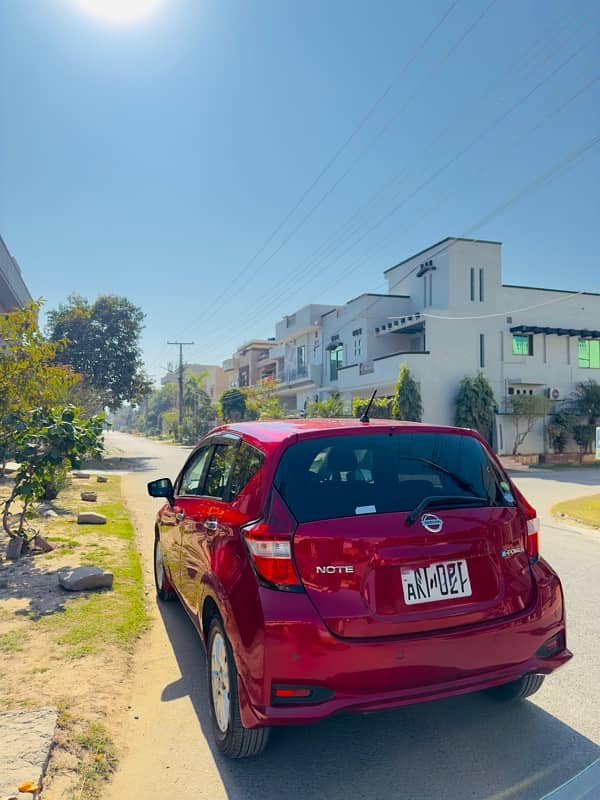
(582, 509)
(70, 650)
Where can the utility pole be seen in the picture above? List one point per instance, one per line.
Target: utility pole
(181, 346)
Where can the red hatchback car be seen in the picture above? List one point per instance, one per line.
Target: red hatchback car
(338, 565)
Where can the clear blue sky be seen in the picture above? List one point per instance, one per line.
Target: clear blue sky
(154, 159)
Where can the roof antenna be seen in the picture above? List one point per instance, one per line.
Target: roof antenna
(365, 416)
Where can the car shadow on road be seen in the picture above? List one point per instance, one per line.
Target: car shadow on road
(463, 747)
(123, 464)
(585, 477)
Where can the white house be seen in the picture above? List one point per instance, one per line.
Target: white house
(447, 314)
(461, 318)
(298, 355)
(13, 292)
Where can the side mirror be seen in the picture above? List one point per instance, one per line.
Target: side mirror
(162, 488)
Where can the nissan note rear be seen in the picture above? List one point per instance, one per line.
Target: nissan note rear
(334, 565)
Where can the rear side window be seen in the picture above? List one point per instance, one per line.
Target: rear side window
(343, 476)
(219, 471)
(248, 462)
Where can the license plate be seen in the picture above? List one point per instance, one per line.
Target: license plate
(441, 581)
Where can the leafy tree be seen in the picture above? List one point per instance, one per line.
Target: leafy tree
(475, 405)
(381, 407)
(28, 375)
(262, 402)
(332, 407)
(47, 442)
(103, 345)
(526, 409)
(196, 402)
(584, 435)
(586, 399)
(407, 404)
(560, 428)
(233, 405)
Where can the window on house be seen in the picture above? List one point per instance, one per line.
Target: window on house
(357, 346)
(301, 356)
(522, 345)
(481, 350)
(424, 291)
(472, 284)
(481, 286)
(430, 288)
(588, 354)
(336, 360)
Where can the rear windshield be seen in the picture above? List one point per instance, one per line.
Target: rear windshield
(341, 476)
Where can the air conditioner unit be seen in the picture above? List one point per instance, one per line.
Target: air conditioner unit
(553, 393)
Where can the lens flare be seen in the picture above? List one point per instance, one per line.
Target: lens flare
(119, 11)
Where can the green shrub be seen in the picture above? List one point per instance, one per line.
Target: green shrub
(381, 407)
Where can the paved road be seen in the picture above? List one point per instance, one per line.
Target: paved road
(454, 749)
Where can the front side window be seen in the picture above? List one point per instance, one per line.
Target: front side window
(522, 345)
(588, 354)
(357, 346)
(340, 476)
(217, 477)
(193, 474)
(336, 360)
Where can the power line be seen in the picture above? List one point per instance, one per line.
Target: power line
(354, 133)
(299, 274)
(503, 115)
(561, 166)
(568, 296)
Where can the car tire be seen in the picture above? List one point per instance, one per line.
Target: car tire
(231, 737)
(516, 690)
(164, 589)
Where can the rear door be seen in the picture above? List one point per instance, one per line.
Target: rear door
(368, 572)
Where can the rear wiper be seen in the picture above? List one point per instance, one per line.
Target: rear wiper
(441, 500)
(464, 484)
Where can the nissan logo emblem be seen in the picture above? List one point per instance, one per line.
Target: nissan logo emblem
(432, 523)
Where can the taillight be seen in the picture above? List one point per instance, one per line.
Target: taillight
(533, 532)
(269, 543)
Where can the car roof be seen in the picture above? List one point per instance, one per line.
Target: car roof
(271, 433)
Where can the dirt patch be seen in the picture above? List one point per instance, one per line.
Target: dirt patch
(70, 650)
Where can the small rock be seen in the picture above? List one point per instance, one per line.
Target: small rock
(101, 479)
(82, 578)
(82, 475)
(91, 518)
(49, 512)
(90, 497)
(42, 544)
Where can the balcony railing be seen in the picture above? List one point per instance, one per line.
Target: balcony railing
(307, 372)
(297, 374)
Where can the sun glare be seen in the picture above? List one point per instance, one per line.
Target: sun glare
(119, 11)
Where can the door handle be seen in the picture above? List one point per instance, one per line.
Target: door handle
(179, 516)
(211, 524)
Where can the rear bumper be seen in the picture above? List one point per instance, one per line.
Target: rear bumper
(367, 675)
